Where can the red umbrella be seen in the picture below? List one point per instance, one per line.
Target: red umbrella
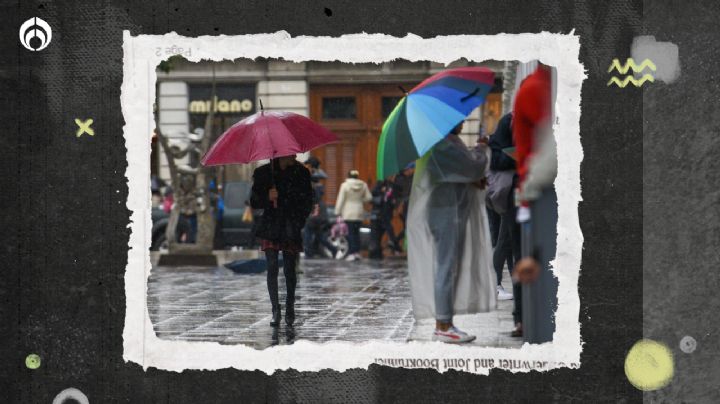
(267, 135)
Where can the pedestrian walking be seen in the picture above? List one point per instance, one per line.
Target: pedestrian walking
(314, 234)
(282, 189)
(354, 193)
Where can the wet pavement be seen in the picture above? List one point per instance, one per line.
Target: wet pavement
(336, 300)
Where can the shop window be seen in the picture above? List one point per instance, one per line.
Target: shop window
(339, 108)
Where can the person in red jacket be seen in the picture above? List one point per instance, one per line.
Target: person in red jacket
(532, 110)
(535, 152)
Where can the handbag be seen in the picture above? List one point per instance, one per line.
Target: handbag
(498, 191)
(247, 216)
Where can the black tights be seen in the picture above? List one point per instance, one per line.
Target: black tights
(289, 264)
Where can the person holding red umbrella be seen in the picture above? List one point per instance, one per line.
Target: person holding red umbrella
(282, 189)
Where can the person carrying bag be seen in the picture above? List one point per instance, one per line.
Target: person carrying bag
(502, 181)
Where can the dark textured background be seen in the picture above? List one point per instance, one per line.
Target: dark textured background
(681, 201)
(65, 222)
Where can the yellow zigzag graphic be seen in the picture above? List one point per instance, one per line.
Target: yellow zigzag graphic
(630, 79)
(631, 64)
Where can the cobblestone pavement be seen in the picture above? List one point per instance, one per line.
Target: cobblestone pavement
(336, 300)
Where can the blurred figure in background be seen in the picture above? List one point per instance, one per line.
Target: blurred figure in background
(156, 185)
(536, 156)
(387, 213)
(402, 185)
(168, 200)
(314, 232)
(507, 248)
(376, 227)
(157, 199)
(381, 216)
(353, 194)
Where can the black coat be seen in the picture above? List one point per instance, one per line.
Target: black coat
(295, 202)
(501, 139)
(499, 160)
(378, 200)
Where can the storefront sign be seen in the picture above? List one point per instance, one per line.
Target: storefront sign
(229, 99)
(234, 106)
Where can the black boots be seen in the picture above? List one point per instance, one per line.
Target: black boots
(290, 314)
(275, 316)
(290, 263)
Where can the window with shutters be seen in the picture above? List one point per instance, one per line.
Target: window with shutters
(339, 108)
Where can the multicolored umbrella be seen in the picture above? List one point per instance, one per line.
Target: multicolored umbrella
(428, 113)
(267, 135)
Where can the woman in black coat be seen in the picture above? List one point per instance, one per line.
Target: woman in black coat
(284, 192)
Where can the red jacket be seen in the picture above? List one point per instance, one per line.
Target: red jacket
(532, 106)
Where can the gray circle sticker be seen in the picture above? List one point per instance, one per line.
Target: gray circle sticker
(688, 344)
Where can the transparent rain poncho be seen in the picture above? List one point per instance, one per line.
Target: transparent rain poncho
(445, 204)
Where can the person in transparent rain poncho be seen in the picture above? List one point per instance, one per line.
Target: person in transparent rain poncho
(449, 247)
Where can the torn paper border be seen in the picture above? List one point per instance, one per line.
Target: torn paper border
(142, 346)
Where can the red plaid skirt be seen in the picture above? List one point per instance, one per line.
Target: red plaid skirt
(288, 246)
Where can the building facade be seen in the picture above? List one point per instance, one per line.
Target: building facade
(352, 100)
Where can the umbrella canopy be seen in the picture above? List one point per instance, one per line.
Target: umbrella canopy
(267, 135)
(428, 113)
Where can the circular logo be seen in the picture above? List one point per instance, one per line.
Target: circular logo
(35, 34)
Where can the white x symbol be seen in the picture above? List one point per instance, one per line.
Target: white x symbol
(84, 127)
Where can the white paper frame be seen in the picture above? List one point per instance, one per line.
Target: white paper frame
(141, 57)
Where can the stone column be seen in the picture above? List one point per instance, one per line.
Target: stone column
(173, 117)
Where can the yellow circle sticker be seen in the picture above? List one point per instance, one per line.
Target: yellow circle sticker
(649, 365)
(32, 361)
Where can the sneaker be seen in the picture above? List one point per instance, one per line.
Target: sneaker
(452, 336)
(350, 257)
(502, 294)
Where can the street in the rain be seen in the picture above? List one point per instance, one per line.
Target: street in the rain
(337, 301)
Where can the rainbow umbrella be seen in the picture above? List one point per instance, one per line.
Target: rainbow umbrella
(427, 114)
